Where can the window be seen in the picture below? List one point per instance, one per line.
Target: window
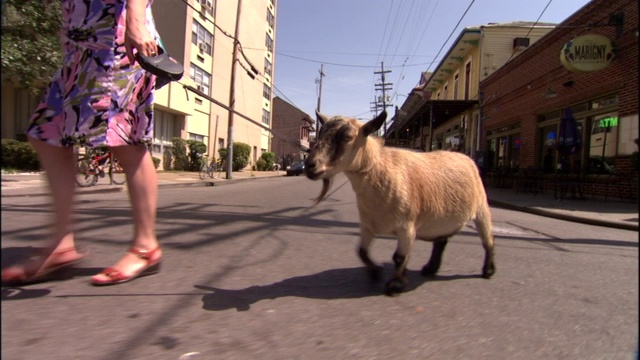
(207, 6)
(270, 18)
(201, 78)
(444, 93)
(202, 38)
(163, 132)
(265, 116)
(467, 80)
(269, 42)
(267, 67)
(266, 91)
(604, 136)
(455, 86)
(196, 137)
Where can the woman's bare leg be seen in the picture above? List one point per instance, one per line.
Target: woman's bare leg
(59, 166)
(142, 182)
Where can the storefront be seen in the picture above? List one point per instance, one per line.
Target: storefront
(569, 103)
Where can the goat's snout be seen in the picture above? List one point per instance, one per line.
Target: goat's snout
(310, 169)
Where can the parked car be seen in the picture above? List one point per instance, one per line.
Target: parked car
(295, 168)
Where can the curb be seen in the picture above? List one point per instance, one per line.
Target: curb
(556, 215)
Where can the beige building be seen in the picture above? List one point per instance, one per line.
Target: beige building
(443, 111)
(200, 34)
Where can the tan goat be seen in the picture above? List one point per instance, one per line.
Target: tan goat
(429, 196)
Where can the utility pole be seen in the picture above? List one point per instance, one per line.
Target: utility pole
(232, 95)
(384, 87)
(319, 82)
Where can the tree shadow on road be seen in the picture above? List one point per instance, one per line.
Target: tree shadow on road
(346, 283)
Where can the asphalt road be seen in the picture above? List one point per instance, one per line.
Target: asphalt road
(252, 271)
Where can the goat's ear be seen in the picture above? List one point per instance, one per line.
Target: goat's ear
(375, 124)
(321, 118)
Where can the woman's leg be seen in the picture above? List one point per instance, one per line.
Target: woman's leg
(59, 166)
(142, 183)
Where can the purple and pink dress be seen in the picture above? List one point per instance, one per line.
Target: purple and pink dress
(98, 97)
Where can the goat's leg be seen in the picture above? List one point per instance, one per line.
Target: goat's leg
(400, 258)
(374, 270)
(431, 268)
(483, 224)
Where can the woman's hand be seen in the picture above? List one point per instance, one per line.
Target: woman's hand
(136, 35)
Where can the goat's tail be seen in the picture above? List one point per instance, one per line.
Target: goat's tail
(326, 185)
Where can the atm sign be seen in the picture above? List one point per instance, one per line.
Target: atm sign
(609, 122)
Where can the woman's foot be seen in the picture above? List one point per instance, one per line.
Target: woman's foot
(135, 263)
(38, 266)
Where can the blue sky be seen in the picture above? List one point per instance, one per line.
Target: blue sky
(352, 37)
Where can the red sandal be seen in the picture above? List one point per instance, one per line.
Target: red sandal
(117, 277)
(20, 274)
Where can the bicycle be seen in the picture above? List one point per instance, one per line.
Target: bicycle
(213, 169)
(92, 165)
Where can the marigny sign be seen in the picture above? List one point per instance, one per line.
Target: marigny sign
(587, 53)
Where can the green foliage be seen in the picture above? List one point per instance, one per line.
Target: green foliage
(196, 149)
(156, 162)
(269, 158)
(167, 159)
(180, 158)
(261, 165)
(241, 152)
(31, 51)
(19, 155)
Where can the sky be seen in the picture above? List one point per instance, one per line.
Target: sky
(352, 38)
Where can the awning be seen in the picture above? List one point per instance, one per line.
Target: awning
(441, 110)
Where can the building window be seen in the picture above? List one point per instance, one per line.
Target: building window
(196, 137)
(269, 42)
(266, 92)
(265, 116)
(202, 38)
(208, 6)
(201, 78)
(444, 92)
(270, 18)
(467, 80)
(163, 133)
(267, 67)
(455, 86)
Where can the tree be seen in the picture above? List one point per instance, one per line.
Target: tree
(31, 50)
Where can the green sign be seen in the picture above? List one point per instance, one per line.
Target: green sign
(609, 122)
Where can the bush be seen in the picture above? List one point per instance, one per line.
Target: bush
(180, 159)
(261, 165)
(156, 162)
(196, 150)
(19, 155)
(269, 159)
(241, 153)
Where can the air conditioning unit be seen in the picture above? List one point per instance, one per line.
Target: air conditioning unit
(206, 8)
(200, 88)
(520, 43)
(202, 46)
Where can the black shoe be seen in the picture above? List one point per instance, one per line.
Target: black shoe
(163, 66)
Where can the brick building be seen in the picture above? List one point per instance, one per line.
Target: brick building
(523, 102)
(291, 128)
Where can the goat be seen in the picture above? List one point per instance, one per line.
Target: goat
(430, 196)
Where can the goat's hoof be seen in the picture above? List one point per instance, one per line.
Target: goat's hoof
(488, 271)
(375, 273)
(395, 287)
(429, 270)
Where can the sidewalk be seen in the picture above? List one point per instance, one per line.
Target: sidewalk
(610, 213)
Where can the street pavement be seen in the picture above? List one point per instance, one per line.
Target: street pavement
(611, 212)
(251, 270)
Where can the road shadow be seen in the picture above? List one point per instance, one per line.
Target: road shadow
(346, 283)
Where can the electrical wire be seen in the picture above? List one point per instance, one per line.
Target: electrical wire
(531, 28)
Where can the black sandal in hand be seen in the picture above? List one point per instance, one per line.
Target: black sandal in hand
(162, 65)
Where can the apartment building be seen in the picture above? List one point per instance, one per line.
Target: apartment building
(200, 34)
(442, 112)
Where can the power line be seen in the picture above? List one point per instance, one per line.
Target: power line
(531, 28)
(347, 65)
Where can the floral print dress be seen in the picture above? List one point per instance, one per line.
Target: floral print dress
(98, 97)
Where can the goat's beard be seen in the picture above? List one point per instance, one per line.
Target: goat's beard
(326, 185)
